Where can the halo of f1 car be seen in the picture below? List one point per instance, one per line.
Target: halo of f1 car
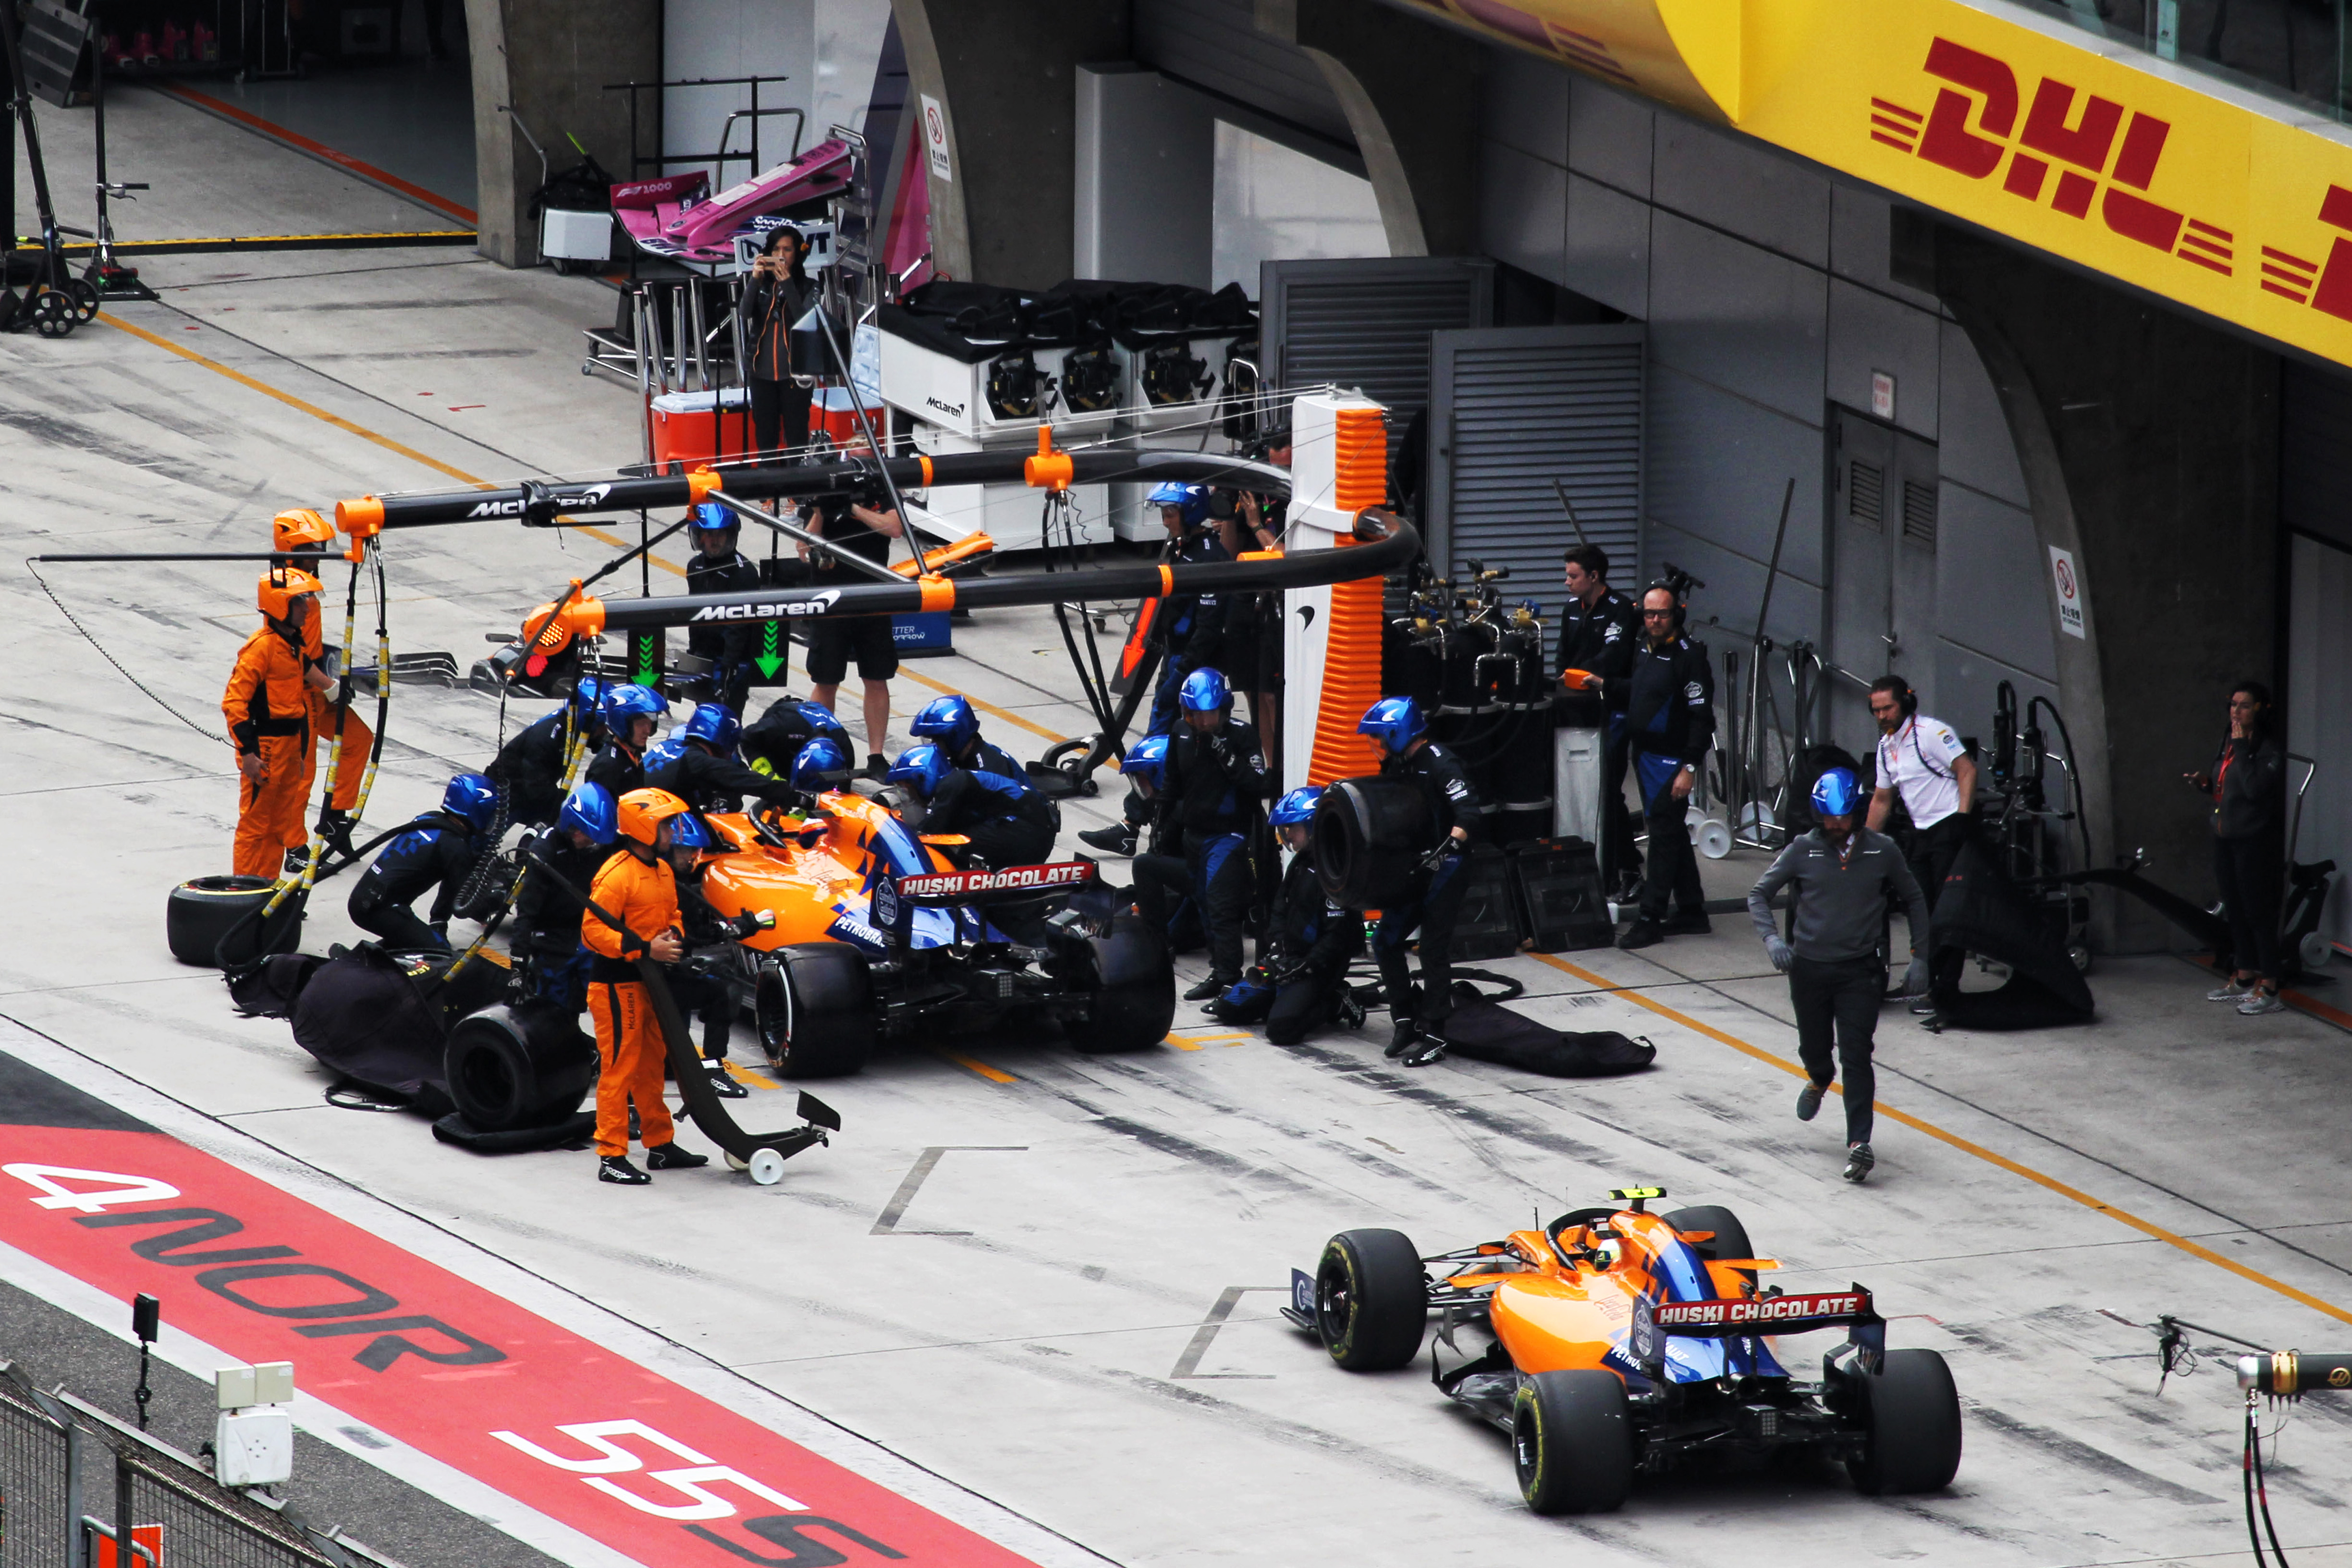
(1621, 1342)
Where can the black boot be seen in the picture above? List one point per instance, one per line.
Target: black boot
(1212, 986)
(335, 827)
(1119, 838)
(723, 1084)
(615, 1168)
(1407, 1034)
(670, 1157)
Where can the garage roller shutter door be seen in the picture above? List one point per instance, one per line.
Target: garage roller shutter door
(1514, 408)
(1367, 324)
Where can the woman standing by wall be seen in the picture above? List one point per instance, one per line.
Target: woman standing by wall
(2248, 786)
(778, 295)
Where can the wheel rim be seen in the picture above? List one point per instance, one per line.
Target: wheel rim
(1334, 1303)
(1527, 1446)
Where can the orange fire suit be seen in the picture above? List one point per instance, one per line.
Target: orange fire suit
(642, 896)
(267, 707)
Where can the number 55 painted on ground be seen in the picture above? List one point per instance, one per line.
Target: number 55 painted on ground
(611, 1459)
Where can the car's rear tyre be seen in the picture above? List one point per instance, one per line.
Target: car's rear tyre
(519, 1064)
(1572, 1442)
(1731, 1235)
(815, 1006)
(1135, 988)
(1911, 1416)
(1372, 1299)
(1368, 835)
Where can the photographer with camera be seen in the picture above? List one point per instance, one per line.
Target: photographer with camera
(777, 294)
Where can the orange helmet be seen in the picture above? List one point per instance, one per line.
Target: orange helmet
(643, 811)
(280, 588)
(300, 529)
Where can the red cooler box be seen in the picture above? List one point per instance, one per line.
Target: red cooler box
(833, 410)
(696, 427)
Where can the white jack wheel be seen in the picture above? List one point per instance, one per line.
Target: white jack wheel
(2315, 950)
(767, 1167)
(734, 1163)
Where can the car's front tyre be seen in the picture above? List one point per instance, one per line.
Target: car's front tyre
(1372, 1299)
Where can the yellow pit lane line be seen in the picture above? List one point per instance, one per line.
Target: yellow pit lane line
(1966, 1146)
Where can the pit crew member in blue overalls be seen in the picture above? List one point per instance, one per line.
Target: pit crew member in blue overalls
(951, 722)
(1841, 877)
(1163, 883)
(631, 711)
(547, 911)
(1299, 983)
(1668, 700)
(1191, 629)
(697, 763)
(529, 768)
(436, 852)
(789, 723)
(717, 567)
(1407, 753)
(1216, 775)
(1008, 821)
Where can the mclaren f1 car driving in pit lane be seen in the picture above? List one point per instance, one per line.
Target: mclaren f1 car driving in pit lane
(1621, 1342)
(878, 935)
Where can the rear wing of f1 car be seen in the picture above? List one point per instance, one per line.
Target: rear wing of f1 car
(1737, 1317)
(895, 898)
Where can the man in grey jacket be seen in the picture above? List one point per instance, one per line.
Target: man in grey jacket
(1840, 874)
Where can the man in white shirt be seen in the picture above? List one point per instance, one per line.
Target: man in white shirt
(1922, 760)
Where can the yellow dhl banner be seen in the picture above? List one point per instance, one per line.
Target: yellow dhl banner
(2223, 205)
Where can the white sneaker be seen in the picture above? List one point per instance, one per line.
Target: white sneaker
(2228, 990)
(2260, 1002)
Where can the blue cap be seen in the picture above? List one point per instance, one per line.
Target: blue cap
(1835, 793)
(922, 768)
(714, 724)
(1394, 722)
(1147, 760)
(948, 719)
(592, 810)
(710, 517)
(1297, 807)
(1204, 692)
(473, 797)
(814, 760)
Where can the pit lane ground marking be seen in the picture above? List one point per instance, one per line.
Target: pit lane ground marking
(2015, 1168)
(351, 428)
(1194, 1042)
(972, 1064)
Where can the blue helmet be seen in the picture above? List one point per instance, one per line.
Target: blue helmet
(1147, 760)
(948, 719)
(1192, 501)
(664, 751)
(588, 699)
(714, 724)
(1204, 692)
(814, 760)
(922, 767)
(688, 831)
(1835, 793)
(473, 797)
(820, 722)
(711, 518)
(1394, 722)
(1297, 807)
(624, 702)
(590, 809)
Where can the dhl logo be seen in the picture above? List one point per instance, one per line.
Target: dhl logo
(2104, 154)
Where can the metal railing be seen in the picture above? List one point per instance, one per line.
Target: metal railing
(71, 1476)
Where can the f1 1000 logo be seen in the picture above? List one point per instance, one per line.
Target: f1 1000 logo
(2084, 143)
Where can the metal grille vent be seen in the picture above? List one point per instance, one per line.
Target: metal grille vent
(1919, 513)
(1865, 493)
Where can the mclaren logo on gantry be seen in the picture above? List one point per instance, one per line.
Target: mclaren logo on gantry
(815, 605)
(586, 498)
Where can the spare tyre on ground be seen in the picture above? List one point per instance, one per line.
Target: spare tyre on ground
(204, 911)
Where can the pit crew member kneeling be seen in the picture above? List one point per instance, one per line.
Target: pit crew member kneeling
(1007, 820)
(1216, 775)
(436, 851)
(1841, 876)
(1396, 726)
(1300, 982)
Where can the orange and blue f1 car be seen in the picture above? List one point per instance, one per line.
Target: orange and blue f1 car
(1621, 1341)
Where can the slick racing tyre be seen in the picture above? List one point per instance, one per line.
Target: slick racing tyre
(1372, 1299)
(1911, 1416)
(204, 909)
(1134, 989)
(1370, 836)
(1572, 1442)
(518, 1065)
(815, 1005)
(1731, 1235)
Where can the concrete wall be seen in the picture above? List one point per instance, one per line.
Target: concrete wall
(826, 49)
(549, 63)
(1770, 294)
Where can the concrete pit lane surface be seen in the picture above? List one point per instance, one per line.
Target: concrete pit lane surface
(1023, 1308)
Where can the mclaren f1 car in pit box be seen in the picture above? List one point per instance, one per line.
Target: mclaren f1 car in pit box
(1619, 1341)
(878, 936)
